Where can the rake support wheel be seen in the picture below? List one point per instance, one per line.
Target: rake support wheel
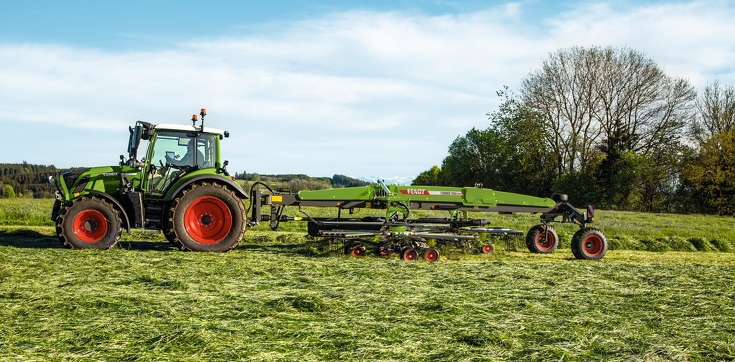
(409, 254)
(206, 217)
(430, 255)
(355, 250)
(89, 223)
(589, 244)
(542, 239)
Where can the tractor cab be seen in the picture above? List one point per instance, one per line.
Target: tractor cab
(173, 151)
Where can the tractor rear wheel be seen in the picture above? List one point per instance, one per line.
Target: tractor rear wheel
(89, 223)
(589, 244)
(542, 239)
(206, 217)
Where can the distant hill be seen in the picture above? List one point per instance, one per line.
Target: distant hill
(398, 180)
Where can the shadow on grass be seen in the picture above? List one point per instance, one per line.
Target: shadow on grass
(23, 238)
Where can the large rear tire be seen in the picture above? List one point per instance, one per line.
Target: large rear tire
(206, 217)
(542, 239)
(89, 223)
(589, 244)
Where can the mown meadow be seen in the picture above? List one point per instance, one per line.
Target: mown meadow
(663, 292)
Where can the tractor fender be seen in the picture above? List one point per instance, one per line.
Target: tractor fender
(109, 198)
(212, 178)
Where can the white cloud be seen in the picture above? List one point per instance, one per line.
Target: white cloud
(355, 92)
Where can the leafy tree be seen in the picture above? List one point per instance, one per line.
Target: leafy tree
(509, 155)
(708, 175)
(711, 173)
(9, 192)
(428, 178)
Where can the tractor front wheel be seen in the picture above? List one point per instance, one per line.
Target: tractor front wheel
(542, 239)
(589, 244)
(89, 223)
(206, 217)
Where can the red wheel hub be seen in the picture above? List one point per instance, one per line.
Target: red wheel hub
(593, 245)
(487, 249)
(90, 226)
(545, 240)
(208, 220)
(431, 255)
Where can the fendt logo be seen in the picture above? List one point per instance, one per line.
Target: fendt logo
(414, 192)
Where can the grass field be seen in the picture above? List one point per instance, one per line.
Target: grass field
(281, 296)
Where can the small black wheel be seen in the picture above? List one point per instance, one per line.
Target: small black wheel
(542, 239)
(206, 217)
(355, 249)
(409, 254)
(589, 244)
(430, 255)
(89, 223)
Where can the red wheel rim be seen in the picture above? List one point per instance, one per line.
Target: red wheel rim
(90, 226)
(487, 249)
(410, 255)
(383, 250)
(593, 245)
(208, 220)
(545, 240)
(431, 255)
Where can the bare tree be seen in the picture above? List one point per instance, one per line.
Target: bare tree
(610, 99)
(562, 91)
(717, 111)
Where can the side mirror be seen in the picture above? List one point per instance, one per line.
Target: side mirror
(51, 180)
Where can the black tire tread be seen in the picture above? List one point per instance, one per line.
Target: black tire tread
(578, 247)
(64, 212)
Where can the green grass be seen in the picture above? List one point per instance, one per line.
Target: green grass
(281, 296)
(293, 301)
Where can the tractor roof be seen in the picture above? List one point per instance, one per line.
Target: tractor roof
(181, 127)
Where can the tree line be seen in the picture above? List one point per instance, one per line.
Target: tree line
(608, 127)
(26, 180)
(300, 182)
(31, 181)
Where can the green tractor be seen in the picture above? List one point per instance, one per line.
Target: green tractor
(180, 186)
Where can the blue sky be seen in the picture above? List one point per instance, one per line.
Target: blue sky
(362, 88)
